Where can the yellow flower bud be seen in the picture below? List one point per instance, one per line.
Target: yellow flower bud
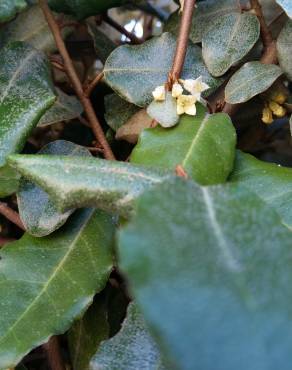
(277, 109)
(279, 97)
(267, 116)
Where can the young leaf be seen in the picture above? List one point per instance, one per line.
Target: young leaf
(32, 27)
(252, 79)
(206, 13)
(26, 92)
(118, 111)
(87, 333)
(164, 112)
(38, 213)
(284, 47)
(286, 5)
(84, 8)
(131, 349)
(9, 181)
(135, 71)
(9, 8)
(66, 108)
(228, 40)
(271, 182)
(80, 182)
(45, 283)
(208, 267)
(188, 144)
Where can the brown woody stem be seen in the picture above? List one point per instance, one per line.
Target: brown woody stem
(11, 215)
(134, 39)
(53, 352)
(182, 42)
(93, 84)
(70, 70)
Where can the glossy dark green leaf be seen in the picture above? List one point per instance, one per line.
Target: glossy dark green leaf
(118, 111)
(9, 8)
(65, 108)
(286, 5)
(38, 213)
(131, 349)
(48, 282)
(271, 182)
(9, 181)
(84, 8)
(26, 92)
(228, 40)
(80, 182)
(188, 144)
(210, 268)
(206, 13)
(87, 333)
(135, 71)
(252, 79)
(31, 26)
(284, 47)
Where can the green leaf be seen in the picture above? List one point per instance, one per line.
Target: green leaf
(87, 333)
(47, 283)
(80, 182)
(164, 112)
(210, 268)
(118, 111)
(286, 5)
(284, 47)
(32, 27)
(252, 79)
(103, 45)
(84, 8)
(26, 92)
(135, 71)
(131, 349)
(38, 213)
(271, 182)
(188, 144)
(9, 181)
(228, 40)
(65, 108)
(9, 8)
(205, 14)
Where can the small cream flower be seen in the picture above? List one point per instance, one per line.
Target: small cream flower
(159, 93)
(186, 104)
(195, 87)
(177, 90)
(182, 3)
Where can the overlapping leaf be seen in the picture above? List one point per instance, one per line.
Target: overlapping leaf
(9, 8)
(9, 181)
(26, 92)
(131, 349)
(252, 79)
(38, 213)
(286, 5)
(78, 182)
(284, 47)
(135, 71)
(208, 267)
(45, 283)
(188, 145)
(228, 40)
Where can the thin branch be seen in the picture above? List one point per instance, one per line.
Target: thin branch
(11, 215)
(53, 352)
(182, 42)
(266, 34)
(70, 70)
(4, 240)
(93, 84)
(133, 38)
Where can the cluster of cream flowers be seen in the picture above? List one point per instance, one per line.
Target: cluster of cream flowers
(185, 103)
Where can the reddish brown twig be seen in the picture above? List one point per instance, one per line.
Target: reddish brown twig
(182, 42)
(266, 34)
(134, 39)
(93, 84)
(4, 241)
(70, 70)
(54, 356)
(11, 215)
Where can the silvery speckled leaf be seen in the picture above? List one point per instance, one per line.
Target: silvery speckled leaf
(164, 112)
(284, 47)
